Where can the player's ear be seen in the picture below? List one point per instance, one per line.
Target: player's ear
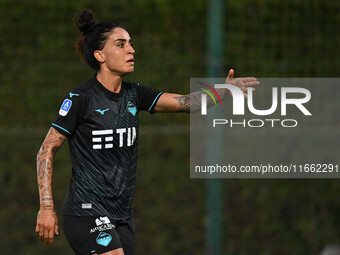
(99, 56)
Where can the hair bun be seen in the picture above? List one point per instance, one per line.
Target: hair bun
(85, 21)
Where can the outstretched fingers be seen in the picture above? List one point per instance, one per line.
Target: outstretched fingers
(248, 79)
(251, 83)
(246, 84)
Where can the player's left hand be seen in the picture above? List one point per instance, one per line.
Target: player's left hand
(242, 83)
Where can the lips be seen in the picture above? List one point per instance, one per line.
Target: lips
(131, 60)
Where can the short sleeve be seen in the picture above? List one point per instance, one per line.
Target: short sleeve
(69, 114)
(147, 98)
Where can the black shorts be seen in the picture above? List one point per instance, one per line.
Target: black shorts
(89, 235)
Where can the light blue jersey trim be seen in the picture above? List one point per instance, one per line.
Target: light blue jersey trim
(61, 128)
(154, 101)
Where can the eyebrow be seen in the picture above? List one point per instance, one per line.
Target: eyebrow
(122, 40)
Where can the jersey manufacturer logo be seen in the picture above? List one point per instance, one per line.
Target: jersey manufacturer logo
(104, 239)
(132, 108)
(104, 138)
(65, 107)
(71, 94)
(102, 111)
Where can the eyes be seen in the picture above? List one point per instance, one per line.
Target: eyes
(121, 45)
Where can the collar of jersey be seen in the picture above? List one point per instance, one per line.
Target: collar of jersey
(107, 92)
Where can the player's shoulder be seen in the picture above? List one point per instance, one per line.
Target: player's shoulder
(85, 86)
(135, 86)
(82, 91)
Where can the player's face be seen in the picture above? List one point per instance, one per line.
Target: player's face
(118, 52)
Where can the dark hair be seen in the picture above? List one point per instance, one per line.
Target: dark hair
(94, 36)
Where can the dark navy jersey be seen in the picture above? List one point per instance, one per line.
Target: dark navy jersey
(102, 131)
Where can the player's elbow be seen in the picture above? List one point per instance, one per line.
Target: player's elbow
(44, 152)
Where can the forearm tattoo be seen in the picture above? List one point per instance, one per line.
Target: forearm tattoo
(192, 102)
(184, 103)
(53, 141)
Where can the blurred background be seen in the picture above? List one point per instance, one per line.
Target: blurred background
(262, 38)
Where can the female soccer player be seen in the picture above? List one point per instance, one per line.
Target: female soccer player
(100, 120)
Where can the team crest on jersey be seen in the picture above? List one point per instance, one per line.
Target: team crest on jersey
(132, 108)
(65, 107)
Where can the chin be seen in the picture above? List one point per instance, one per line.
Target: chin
(127, 72)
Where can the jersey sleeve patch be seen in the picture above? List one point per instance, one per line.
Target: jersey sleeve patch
(65, 107)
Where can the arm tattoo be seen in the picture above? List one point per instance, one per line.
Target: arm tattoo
(184, 103)
(53, 141)
(192, 102)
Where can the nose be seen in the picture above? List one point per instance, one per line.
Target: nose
(131, 49)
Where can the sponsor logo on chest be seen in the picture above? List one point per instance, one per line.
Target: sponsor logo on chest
(104, 139)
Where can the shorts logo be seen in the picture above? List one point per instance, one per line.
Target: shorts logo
(104, 239)
(102, 220)
(65, 107)
(103, 223)
(132, 108)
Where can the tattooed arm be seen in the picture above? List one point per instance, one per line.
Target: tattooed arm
(169, 102)
(47, 221)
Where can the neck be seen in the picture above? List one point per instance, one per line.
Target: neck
(109, 80)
